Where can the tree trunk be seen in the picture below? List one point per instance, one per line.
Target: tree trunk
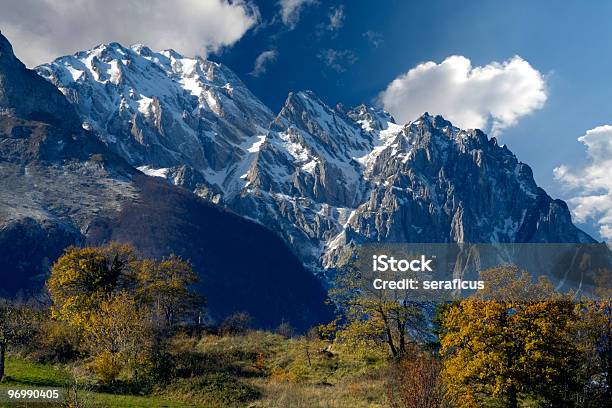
(2, 358)
(401, 327)
(389, 334)
(512, 397)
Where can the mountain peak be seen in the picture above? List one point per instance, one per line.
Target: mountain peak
(161, 109)
(141, 49)
(303, 97)
(371, 118)
(437, 121)
(6, 49)
(170, 53)
(301, 107)
(28, 96)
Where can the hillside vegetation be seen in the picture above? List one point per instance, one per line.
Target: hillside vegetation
(117, 330)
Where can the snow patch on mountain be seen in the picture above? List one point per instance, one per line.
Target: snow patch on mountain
(162, 109)
(323, 178)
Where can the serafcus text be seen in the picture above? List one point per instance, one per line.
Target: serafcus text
(384, 263)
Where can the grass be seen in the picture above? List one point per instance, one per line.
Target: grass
(22, 373)
(258, 369)
(294, 373)
(354, 393)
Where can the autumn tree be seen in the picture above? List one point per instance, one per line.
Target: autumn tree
(166, 287)
(372, 317)
(120, 302)
(118, 335)
(514, 339)
(84, 277)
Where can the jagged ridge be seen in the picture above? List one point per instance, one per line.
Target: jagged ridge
(323, 178)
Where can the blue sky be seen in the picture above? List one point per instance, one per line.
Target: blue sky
(538, 74)
(569, 43)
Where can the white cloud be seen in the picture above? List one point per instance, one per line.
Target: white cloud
(373, 37)
(262, 61)
(338, 60)
(592, 184)
(336, 18)
(495, 95)
(291, 9)
(41, 30)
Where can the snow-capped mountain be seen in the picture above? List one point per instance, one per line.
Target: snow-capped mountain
(323, 178)
(161, 110)
(328, 179)
(61, 186)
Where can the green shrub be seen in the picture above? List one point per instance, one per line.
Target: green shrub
(193, 364)
(217, 388)
(235, 324)
(157, 367)
(56, 342)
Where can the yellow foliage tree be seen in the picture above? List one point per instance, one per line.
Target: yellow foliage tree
(120, 302)
(515, 340)
(165, 286)
(84, 277)
(118, 335)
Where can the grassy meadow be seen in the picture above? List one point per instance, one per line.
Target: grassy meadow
(254, 369)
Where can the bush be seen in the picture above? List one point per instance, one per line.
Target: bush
(193, 363)
(157, 367)
(215, 388)
(416, 382)
(56, 342)
(285, 330)
(235, 324)
(107, 366)
(305, 361)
